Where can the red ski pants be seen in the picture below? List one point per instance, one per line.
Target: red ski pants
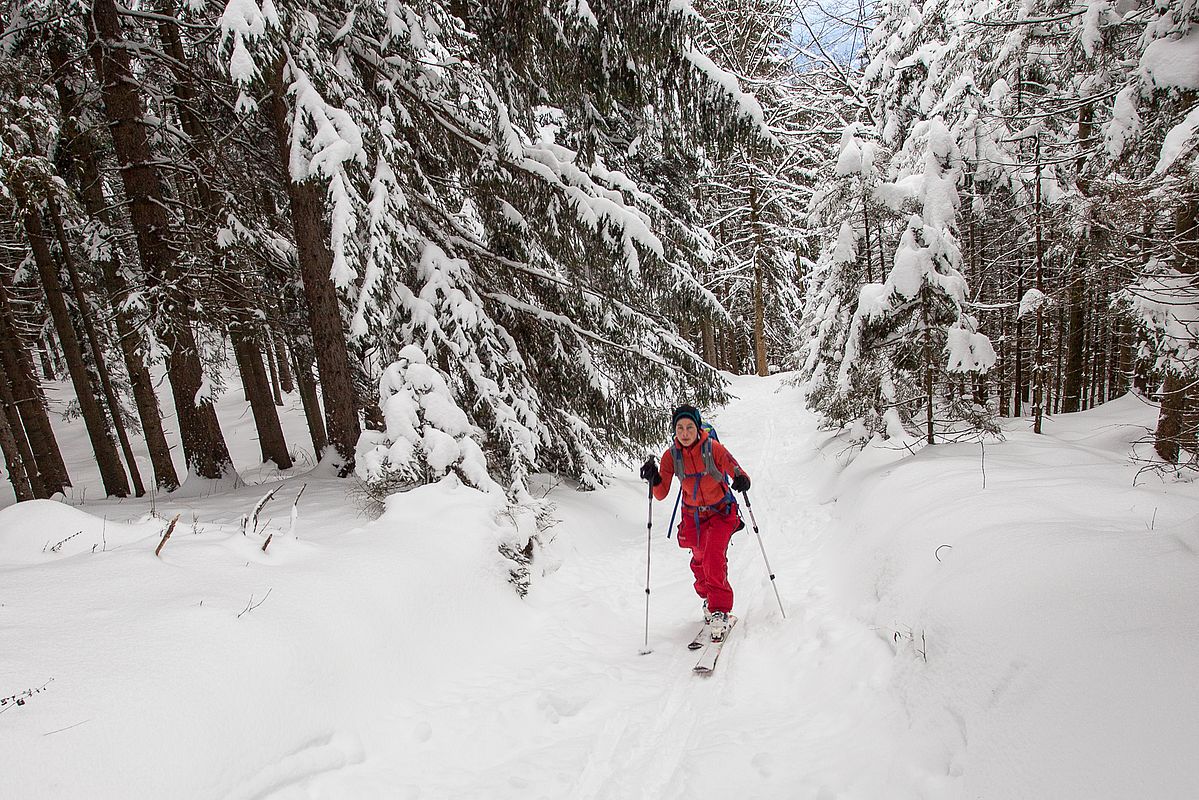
(709, 555)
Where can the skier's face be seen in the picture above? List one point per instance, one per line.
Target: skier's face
(686, 432)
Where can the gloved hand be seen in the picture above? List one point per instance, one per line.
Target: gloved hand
(649, 472)
(741, 483)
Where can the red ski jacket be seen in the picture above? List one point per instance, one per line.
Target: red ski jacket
(709, 491)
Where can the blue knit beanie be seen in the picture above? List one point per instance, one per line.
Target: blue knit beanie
(688, 412)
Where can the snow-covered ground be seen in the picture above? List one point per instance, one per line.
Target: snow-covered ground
(1050, 651)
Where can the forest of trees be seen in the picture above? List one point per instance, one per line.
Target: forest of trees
(1010, 220)
(502, 237)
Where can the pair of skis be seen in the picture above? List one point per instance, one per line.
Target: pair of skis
(711, 650)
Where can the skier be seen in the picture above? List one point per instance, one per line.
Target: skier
(710, 513)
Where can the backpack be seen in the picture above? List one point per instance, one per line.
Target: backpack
(710, 469)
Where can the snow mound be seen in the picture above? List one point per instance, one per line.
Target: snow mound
(46, 530)
(1040, 603)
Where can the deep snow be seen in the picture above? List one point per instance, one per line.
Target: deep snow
(1048, 652)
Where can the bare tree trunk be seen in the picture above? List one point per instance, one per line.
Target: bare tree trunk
(1100, 343)
(280, 350)
(203, 443)
(1167, 438)
(14, 462)
(18, 457)
(1076, 321)
(1053, 388)
(1018, 376)
(258, 392)
(133, 346)
(85, 316)
(311, 229)
(760, 360)
(1076, 291)
(866, 228)
(1001, 378)
(308, 397)
(112, 474)
(51, 471)
(929, 368)
(1038, 370)
(43, 353)
(1176, 420)
(268, 355)
(708, 334)
(1186, 224)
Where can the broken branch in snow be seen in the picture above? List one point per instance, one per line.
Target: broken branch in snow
(251, 605)
(252, 520)
(295, 512)
(166, 535)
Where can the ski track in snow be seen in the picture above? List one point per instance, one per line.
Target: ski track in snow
(797, 708)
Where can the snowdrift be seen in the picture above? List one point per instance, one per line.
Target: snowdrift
(1041, 605)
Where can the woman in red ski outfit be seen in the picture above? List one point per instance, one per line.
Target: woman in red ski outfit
(709, 513)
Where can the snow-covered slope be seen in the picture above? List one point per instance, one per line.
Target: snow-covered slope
(391, 658)
(1042, 599)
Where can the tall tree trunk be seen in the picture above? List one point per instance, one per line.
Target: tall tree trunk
(280, 349)
(311, 229)
(85, 317)
(1001, 378)
(1167, 438)
(203, 443)
(309, 398)
(1038, 369)
(708, 335)
(27, 400)
(268, 355)
(866, 228)
(1100, 342)
(15, 460)
(43, 353)
(929, 366)
(258, 392)
(1076, 320)
(1053, 384)
(18, 455)
(112, 474)
(133, 346)
(85, 172)
(1076, 291)
(1019, 380)
(755, 220)
(1176, 420)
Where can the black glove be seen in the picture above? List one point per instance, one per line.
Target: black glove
(649, 472)
(741, 483)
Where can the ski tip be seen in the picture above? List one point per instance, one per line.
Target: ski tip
(644, 652)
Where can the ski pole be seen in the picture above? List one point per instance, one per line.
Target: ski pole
(758, 533)
(649, 525)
